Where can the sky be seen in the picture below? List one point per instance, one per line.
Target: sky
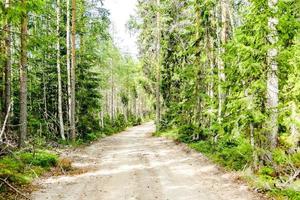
(120, 11)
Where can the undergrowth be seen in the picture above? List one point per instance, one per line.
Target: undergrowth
(18, 169)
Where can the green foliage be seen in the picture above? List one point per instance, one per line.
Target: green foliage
(267, 172)
(22, 167)
(186, 133)
(204, 147)
(285, 193)
(232, 154)
(230, 115)
(171, 133)
(42, 159)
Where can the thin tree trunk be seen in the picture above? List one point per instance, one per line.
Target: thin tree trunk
(197, 114)
(73, 66)
(68, 61)
(221, 65)
(158, 108)
(252, 141)
(23, 77)
(112, 113)
(295, 134)
(60, 113)
(272, 79)
(7, 67)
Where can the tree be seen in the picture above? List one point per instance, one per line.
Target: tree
(23, 75)
(272, 77)
(59, 103)
(68, 62)
(158, 57)
(224, 36)
(73, 74)
(7, 63)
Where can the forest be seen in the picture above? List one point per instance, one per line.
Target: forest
(219, 76)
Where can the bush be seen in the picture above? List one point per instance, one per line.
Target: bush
(231, 153)
(234, 153)
(203, 147)
(186, 133)
(119, 123)
(267, 171)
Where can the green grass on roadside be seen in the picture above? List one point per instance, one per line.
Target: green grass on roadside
(20, 168)
(171, 134)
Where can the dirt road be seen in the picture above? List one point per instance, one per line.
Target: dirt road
(135, 166)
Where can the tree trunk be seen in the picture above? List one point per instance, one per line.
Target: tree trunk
(221, 65)
(272, 79)
(73, 66)
(158, 108)
(60, 113)
(112, 91)
(7, 67)
(23, 77)
(199, 78)
(68, 61)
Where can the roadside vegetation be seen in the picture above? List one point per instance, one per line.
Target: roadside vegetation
(226, 77)
(63, 83)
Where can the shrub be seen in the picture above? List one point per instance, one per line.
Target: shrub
(202, 146)
(234, 153)
(186, 133)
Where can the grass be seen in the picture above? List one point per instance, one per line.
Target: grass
(171, 134)
(20, 168)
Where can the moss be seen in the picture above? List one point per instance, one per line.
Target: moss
(21, 167)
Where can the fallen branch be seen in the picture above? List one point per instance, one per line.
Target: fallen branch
(15, 189)
(293, 177)
(2, 182)
(5, 121)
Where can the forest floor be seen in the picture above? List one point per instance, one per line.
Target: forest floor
(133, 165)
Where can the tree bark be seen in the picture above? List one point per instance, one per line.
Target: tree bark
(112, 105)
(272, 79)
(158, 37)
(60, 112)
(23, 77)
(73, 66)
(7, 64)
(221, 65)
(199, 81)
(68, 61)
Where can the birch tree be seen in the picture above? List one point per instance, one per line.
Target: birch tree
(59, 104)
(8, 62)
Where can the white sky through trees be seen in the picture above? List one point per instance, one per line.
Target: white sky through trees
(120, 11)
